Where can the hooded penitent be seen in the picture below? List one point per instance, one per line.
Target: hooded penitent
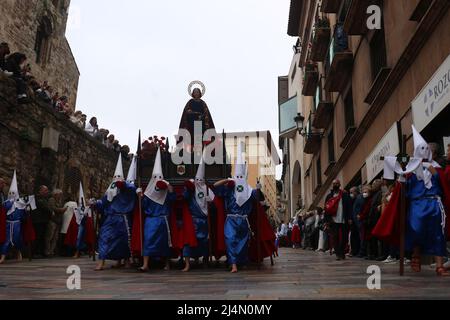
(132, 172)
(242, 191)
(153, 192)
(81, 210)
(13, 195)
(118, 176)
(423, 152)
(203, 194)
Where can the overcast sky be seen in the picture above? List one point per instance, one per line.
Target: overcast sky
(137, 58)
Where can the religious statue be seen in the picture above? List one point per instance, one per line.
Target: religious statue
(196, 110)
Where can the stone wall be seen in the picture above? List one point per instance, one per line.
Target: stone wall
(46, 148)
(19, 24)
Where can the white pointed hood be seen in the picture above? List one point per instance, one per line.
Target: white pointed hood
(242, 191)
(81, 210)
(421, 148)
(112, 191)
(13, 195)
(132, 172)
(422, 152)
(153, 192)
(203, 194)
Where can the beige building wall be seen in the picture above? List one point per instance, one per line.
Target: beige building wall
(19, 23)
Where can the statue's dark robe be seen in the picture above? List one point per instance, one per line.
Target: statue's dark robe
(202, 114)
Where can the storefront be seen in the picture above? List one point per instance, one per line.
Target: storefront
(389, 145)
(431, 108)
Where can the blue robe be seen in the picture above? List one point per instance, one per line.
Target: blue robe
(200, 221)
(425, 215)
(13, 229)
(237, 226)
(114, 236)
(156, 227)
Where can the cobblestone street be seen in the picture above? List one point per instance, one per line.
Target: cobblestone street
(297, 274)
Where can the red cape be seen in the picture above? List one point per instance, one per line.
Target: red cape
(2, 224)
(89, 235)
(28, 231)
(388, 226)
(218, 228)
(72, 233)
(444, 177)
(263, 233)
(182, 231)
(296, 236)
(137, 232)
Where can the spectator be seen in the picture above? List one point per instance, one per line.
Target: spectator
(61, 104)
(353, 227)
(361, 210)
(110, 142)
(83, 120)
(45, 92)
(296, 236)
(55, 99)
(339, 210)
(103, 133)
(322, 245)
(283, 234)
(125, 151)
(57, 210)
(116, 146)
(375, 247)
(92, 127)
(76, 119)
(40, 221)
(4, 51)
(13, 64)
(436, 154)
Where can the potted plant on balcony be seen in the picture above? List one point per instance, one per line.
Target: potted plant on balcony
(321, 39)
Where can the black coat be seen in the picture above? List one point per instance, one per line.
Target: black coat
(13, 64)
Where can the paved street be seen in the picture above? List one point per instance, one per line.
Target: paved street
(297, 274)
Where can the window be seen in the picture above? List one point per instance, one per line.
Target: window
(319, 173)
(43, 46)
(331, 156)
(348, 110)
(378, 52)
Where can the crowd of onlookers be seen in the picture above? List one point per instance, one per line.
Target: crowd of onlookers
(14, 66)
(50, 222)
(349, 235)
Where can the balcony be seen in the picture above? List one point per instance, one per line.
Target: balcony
(330, 6)
(323, 110)
(313, 138)
(321, 40)
(356, 19)
(310, 79)
(377, 85)
(339, 64)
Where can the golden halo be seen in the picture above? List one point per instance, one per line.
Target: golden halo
(197, 82)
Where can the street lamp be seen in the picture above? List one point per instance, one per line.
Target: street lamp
(299, 121)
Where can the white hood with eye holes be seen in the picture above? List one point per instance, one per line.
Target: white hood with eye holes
(152, 191)
(203, 194)
(242, 191)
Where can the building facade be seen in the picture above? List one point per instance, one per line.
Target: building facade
(262, 159)
(367, 70)
(37, 28)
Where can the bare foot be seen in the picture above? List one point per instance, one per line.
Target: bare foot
(186, 269)
(2, 260)
(234, 269)
(167, 267)
(100, 266)
(142, 269)
(19, 256)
